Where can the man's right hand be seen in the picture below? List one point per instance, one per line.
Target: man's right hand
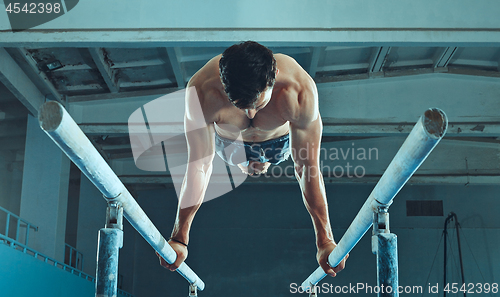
(182, 253)
(255, 168)
(324, 251)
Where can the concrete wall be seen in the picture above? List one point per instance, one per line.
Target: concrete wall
(10, 182)
(91, 218)
(44, 193)
(10, 189)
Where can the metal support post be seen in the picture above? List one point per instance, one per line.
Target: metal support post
(110, 242)
(385, 246)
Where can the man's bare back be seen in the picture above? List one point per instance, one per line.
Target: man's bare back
(269, 123)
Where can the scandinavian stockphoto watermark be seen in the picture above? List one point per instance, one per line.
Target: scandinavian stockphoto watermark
(342, 160)
(357, 288)
(431, 288)
(158, 131)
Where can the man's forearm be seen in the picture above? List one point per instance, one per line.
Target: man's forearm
(190, 198)
(314, 196)
(183, 223)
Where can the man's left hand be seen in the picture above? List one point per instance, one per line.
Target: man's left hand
(324, 251)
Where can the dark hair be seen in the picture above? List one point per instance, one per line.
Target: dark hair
(246, 70)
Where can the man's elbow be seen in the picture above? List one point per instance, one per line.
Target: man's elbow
(205, 168)
(307, 172)
(203, 165)
(298, 169)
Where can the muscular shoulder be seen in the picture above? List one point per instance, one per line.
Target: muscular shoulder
(299, 96)
(205, 88)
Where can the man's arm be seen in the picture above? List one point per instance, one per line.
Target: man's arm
(200, 145)
(306, 130)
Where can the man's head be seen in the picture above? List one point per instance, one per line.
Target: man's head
(247, 71)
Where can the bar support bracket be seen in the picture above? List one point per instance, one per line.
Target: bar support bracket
(384, 245)
(193, 290)
(110, 242)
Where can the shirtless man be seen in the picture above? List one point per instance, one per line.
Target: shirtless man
(272, 103)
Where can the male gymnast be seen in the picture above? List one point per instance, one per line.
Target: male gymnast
(271, 103)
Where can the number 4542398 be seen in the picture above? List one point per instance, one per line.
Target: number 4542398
(471, 288)
(33, 8)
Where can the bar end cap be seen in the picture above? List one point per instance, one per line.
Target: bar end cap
(50, 115)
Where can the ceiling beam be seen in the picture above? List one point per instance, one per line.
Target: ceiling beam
(404, 99)
(78, 67)
(101, 60)
(43, 77)
(118, 129)
(313, 66)
(87, 87)
(484, 129)
(342, 67)
(291, 51)
(98, 147)
(152, 83)
(207, 56)
(195, 58)
(203, 37)
(343, 48)
(403, 129)
(111, 147)
(123, 95)
(122, 155)
(133, 64)
(379, 57)
(174, 56)
(445, 57)
(412, 63)
(475, 63)
(474, 72)
(18, 83)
